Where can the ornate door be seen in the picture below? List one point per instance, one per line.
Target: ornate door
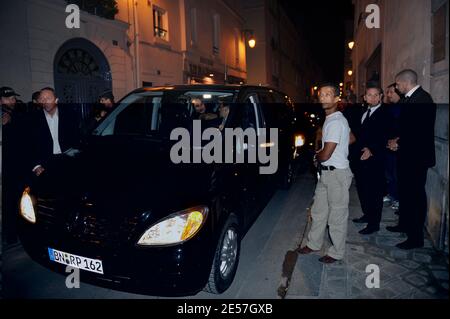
(81, 74)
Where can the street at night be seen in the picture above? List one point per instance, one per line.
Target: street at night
(199, 151)
(269, 267)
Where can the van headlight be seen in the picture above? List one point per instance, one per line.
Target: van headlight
(27, 207)
(176, 228)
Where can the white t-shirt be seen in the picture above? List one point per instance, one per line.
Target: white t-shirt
(336, 130)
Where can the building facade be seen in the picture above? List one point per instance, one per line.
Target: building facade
(401, 42)
(348, 89)
(148, 43)
(213, 45)
(39, 50)
(281, 58)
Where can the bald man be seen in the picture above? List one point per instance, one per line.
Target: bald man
(415, 147)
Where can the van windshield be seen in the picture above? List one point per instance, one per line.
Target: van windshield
(158, 113)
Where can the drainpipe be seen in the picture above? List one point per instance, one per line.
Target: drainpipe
(183, 45)
(137, 62)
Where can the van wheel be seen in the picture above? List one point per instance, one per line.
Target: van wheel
(288, 177)
(226, 258)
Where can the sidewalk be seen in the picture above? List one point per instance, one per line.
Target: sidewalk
(413, 274)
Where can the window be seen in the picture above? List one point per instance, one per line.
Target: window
(137, 114)
(157, 114)
(160, 23)
(193, 26)
(439, 29)
(216, 34)
(249, 113)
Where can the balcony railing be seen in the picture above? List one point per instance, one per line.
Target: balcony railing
(160, 32)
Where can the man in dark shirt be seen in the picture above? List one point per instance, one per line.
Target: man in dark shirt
(416, 153)
(13, 137)
(371, 143)
(393, 97)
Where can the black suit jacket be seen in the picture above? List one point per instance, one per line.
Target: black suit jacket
(41, 139)
(416, 130)
(374, 134)
(353, 114)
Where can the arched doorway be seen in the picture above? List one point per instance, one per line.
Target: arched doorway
(81, 73)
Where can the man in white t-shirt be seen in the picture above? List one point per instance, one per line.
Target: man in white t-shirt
(332, 191)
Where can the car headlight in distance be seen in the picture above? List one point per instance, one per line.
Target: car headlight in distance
(27, 207)
(299, 140)
(176, 228)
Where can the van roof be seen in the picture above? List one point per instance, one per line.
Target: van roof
(201, 87)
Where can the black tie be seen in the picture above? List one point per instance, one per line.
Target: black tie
(367, 115)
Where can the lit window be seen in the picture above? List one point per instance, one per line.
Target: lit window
(160, 23)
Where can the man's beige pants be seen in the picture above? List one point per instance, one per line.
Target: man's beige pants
(331, 207)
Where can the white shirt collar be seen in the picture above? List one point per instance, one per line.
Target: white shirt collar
(374, 108)
(47, 115)
(333, 114)
(414, 89)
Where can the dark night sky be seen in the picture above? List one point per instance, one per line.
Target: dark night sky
(322, 22)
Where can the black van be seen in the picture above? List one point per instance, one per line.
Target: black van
(121, 210)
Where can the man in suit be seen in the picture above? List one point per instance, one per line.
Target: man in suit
(415, 147)
(392, 99)
(353, 114)
(371, 143)
(54, 130)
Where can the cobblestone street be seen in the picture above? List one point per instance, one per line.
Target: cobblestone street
(415, 274)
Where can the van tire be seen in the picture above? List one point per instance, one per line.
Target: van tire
(221, 277)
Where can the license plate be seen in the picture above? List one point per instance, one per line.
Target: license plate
(88, 264)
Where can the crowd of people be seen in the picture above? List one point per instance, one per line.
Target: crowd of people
(37, 133)
(34, 134)
(387, 145)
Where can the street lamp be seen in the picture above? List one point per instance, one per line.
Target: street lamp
(351, 44)
(350, 72)
(251, 41)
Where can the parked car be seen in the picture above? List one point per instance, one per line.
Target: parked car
(131, 219)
